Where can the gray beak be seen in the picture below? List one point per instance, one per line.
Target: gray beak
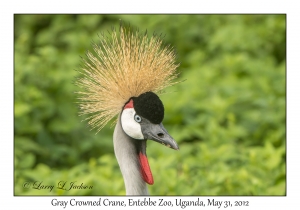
(158, 133)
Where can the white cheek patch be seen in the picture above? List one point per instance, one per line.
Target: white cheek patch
(129, 125)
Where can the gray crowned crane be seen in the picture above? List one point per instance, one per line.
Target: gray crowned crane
(122, 77)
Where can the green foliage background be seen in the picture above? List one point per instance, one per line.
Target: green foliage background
(228, 117)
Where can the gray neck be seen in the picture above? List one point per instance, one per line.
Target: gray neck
(127, 158)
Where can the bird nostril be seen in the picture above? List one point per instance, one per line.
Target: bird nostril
(160, 135)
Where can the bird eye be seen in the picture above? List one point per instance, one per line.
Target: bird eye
(137, 118)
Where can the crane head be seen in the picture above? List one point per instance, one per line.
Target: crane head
(141, 119)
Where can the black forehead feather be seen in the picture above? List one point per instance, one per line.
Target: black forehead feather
(149, 106)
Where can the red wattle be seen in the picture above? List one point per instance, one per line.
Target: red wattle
(145, 169)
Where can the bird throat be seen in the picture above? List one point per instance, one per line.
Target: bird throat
(144, 164)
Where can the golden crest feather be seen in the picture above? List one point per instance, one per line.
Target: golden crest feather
(123, 65)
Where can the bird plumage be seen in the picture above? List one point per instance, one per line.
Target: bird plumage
(125, 151)
(122, 77)
(124, 65)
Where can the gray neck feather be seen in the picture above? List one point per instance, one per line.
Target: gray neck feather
(127, 158)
